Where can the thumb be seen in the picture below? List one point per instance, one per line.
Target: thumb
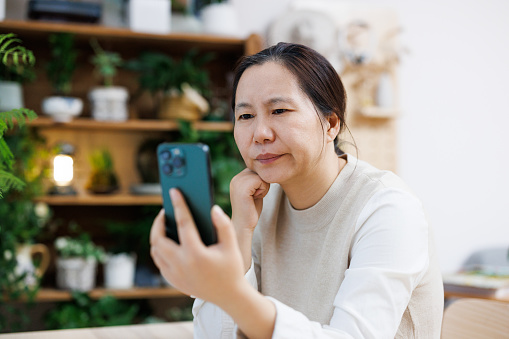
(224, 226)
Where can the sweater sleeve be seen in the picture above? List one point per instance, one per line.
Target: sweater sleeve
(389, 256)
(210, 321)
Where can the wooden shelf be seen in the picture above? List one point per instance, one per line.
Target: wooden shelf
(122, 199)
(130, 125)
(52, 295)
(86, 31)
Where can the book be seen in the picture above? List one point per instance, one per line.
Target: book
(477, 283)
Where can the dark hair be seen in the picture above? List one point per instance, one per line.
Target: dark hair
(316, 76)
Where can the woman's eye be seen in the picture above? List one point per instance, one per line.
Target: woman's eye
(245, 116)
(279, 111)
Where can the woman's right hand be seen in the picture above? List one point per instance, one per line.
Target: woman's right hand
(247, 191)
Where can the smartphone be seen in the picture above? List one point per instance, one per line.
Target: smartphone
(187, 168)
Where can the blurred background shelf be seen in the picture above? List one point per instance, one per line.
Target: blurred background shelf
(53, 295)
(123, 199)
(131, 125)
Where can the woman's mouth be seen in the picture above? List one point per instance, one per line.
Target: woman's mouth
(268, 158)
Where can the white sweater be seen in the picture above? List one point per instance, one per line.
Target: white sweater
(358, 264)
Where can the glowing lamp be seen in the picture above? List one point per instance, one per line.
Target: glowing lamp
(63, 171)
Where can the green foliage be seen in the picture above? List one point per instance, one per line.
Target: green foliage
(180, 313)
(13, 56)
(226, 161)
(101, 160)
(17, 61)
(81, 246)
(82, 312)
(133, 235)
(106, 63)
(102, 177)
(21, 220)
(160, 72)
(62, 64)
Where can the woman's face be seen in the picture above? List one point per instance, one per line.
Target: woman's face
(277, 129)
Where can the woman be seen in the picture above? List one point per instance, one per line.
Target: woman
(320, 244)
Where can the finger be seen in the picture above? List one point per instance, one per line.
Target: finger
(186, 228)
(225, 231)
(262, 190)
(165, 250)
(157, 229)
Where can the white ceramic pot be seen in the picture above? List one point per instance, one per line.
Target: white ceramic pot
(76, 274)
(62, 109)
(25, 263)
(150, 16)
(11, 95)
(220, 19)
(119, 271)
(2, 10)
(384, 93)
(109, 103)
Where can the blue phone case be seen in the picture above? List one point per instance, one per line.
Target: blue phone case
(187, 167)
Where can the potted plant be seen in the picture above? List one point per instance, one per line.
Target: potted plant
(219, 17)
(102, 178)
(109, 103)
(182, 84)
(77, 262)
(16, 68)
(20, 220)
(60, 70)
(82, 311)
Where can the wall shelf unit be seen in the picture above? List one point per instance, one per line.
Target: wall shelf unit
(122, 139)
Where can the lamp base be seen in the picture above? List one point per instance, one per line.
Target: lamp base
(62, 190)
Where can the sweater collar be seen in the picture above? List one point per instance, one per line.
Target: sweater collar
(319, 215)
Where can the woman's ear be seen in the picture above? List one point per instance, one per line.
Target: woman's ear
(333, 126)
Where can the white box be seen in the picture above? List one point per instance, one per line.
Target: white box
(150, 16)
(2, 10)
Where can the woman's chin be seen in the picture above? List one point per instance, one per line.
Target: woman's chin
(271, 177)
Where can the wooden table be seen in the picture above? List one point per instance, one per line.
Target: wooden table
(176, 330)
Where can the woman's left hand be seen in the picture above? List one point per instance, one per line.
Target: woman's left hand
(213, 273)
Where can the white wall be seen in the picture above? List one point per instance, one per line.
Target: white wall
(453, 135)
(454, 129)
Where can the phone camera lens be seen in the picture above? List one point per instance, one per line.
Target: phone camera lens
(165, 155)
(178, 162)
(167, 169)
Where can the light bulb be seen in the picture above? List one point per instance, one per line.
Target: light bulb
(62, 169)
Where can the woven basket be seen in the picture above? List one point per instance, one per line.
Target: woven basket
(76, 274)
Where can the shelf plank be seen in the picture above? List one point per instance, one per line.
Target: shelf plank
(86, 31)
(52, 295)
(130, 125)
(101, 200)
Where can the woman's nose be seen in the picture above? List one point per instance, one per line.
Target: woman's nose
(263, 132)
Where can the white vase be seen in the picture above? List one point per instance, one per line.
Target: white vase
(119, 271)
(384, 93)
(11, 95)
(150, 16)
(25, 263)
(220, 19)
(2, 10)
(62, 109)
(109, 103)
(77, 274)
